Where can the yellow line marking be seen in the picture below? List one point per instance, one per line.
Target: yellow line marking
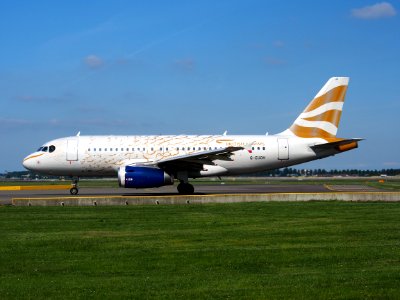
(10, 188)
(327, 186)
(34, 187)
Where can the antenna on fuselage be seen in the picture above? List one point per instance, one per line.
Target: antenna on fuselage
(225, 133)
(78, 134)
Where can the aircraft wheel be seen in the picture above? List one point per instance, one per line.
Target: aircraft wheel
(185, 188)
(74, 191)
(189, 189)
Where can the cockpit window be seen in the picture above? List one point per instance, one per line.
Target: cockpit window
(45, 148)
(40, 149)
(52, 148)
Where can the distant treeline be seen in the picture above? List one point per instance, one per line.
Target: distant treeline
(284, 172)
(288, 172)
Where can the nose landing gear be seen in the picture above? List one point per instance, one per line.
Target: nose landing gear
(74, 189)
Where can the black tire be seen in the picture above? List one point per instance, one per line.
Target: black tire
(180, 188)
(189, 189)
(74, 191)
(185, 188)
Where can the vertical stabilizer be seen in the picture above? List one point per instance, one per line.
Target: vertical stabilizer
(322, 116)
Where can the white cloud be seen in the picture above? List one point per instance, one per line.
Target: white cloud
(93, 61)
(278, 44)
(376, 11)
(187, 64)
(105, 27)
(14, 122)
(36, 99)
(273, 61)
(391, 164)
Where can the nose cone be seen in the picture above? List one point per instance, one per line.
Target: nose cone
(28, 163)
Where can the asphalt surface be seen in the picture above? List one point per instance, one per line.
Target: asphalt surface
(6, 196)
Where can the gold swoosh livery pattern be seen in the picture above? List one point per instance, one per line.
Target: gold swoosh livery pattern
(332, 116)
(152, 152)
(321, 117)
(33, 156)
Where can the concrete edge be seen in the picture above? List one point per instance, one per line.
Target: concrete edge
(202, 199)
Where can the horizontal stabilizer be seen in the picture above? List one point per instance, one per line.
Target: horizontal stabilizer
(339, 145)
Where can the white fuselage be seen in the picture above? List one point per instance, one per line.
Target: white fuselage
(104, 155)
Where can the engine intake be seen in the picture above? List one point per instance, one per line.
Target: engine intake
(143, 177)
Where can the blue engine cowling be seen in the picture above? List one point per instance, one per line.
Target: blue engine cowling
(143, 177)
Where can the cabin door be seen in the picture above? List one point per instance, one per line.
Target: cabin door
(72, 149)
(283, 149)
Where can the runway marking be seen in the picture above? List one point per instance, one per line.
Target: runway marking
(350, 188)
(34, 187)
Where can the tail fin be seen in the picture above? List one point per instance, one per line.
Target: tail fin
(322, 116)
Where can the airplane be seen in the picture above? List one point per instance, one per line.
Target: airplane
(155, 161)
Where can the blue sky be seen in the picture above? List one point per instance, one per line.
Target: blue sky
(196, 67)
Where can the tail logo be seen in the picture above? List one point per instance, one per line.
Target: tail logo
(322, 116)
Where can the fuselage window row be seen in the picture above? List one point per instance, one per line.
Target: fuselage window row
(143, 149)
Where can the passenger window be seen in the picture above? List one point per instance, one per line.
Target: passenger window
(258, 148)
(52, 148)
(263, 148)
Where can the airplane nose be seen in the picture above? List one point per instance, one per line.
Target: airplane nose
(28, 162)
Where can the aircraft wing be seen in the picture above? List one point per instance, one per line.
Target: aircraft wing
(198, 159)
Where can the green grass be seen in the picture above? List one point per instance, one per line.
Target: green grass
(241, 251)
(387, 184)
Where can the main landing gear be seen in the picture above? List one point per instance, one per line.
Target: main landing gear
(185, 188)
(74, 189)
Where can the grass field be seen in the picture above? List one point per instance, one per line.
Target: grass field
(241, 251)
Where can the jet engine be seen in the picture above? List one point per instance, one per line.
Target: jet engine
(143, 177)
